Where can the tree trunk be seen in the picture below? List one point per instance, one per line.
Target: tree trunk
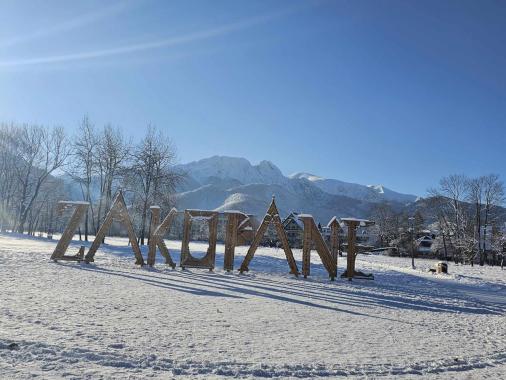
(86, 226)
(485, 225)
(444, 245)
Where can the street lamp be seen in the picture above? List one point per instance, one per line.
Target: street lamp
(412, 223)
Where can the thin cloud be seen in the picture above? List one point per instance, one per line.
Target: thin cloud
(133, 48)
(68, 25)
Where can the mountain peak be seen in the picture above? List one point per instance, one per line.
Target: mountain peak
(233, 183)
(378, 188)
(227, 171)
(221, 160)
(308, 176)
(267, 164)
(236, 168)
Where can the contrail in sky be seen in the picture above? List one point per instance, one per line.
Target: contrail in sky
(149, 45)
(68, 25)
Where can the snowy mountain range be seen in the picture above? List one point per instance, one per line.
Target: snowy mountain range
(230, 183)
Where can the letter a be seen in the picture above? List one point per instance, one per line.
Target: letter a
(272, 216)
(117, 212)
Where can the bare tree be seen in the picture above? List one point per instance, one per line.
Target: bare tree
(84, 158)
(40, 152)
(113, 153)
(438, 208)
(450, 199)
(152, 176)
(52, 191)
(387, 222)
(8, 179)
(475, 197)
(493, 190)
(465, 209)
(455, 187)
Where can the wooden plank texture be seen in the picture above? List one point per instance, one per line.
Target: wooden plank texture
(118, 212)
(272, 216)
(208, 261)
(64, 242)
(312, 236)
(230, 240)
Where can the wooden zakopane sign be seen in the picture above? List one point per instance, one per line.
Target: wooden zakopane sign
(237, 222)
(230, 241)
(158, 230)
(80, 209)
(118, 212)
(335, 248)
(237, 225)
(187, 260)
(352, 224)
(272, 216)
(313, 236)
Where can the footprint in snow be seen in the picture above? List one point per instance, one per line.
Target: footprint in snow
(116, 346)
(10, 346)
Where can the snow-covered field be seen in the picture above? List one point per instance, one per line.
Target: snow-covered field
(112, 319)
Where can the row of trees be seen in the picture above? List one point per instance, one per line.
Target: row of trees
(464, 212)
(466, 209)
(29, 155)
(398, 227)
(40, 166)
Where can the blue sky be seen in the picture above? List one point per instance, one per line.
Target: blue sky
(392, 92)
